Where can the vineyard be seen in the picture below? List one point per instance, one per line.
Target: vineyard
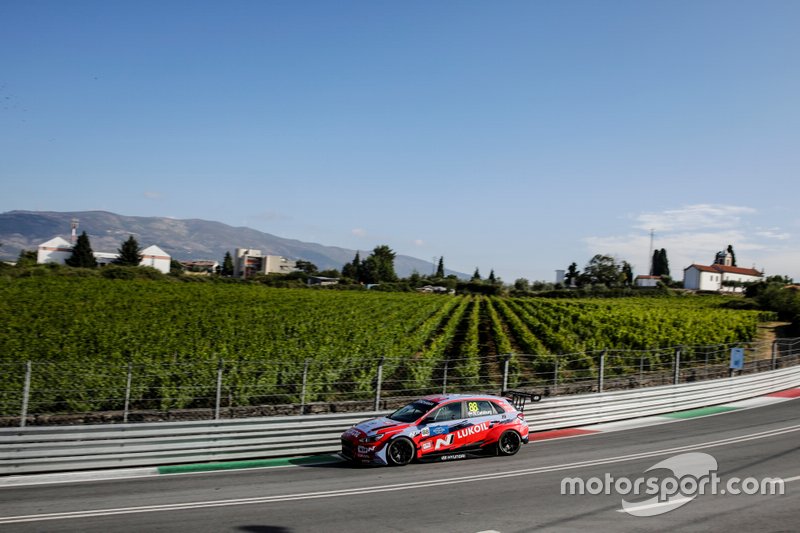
(92, 344)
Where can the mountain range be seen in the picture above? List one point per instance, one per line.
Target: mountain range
(182, 239)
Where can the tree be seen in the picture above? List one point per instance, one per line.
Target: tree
(175, 267)
(476, 276)
(306, 266)
(491, 279)
(82, 255)
(522, 285)
(352, 270)
(129, 253)
(602, 270)
(227, 265)
(627, 274)
(440, 268)
(379, 266)
(660, 263)
(572, 275)
(733, 255)
(663, 262)
(27, 258)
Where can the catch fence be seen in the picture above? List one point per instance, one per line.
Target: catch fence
(50, 392)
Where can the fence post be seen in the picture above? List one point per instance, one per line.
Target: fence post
(641, 369)
(677, 367)
(127, 393)
(303, 389)
(555, 376)
(26, 392)
(378, 385)
(602, 371)
(219, 389)
(506, 358)
(774, 354)
(444, 377)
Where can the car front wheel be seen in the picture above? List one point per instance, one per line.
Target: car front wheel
(400, 452)
(509, 443)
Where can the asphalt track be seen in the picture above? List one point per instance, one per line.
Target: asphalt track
(520, 493)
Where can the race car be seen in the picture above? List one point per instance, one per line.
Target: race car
(440, 428)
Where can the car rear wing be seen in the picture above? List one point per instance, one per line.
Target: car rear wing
(519, 398)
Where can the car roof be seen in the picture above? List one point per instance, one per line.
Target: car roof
(441, 398)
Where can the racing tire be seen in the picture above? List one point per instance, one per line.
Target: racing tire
(509, 443)
(400, 452)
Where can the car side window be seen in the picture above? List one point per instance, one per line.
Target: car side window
(476, 408)
(451, 411)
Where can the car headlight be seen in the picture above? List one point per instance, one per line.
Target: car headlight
(374, 438)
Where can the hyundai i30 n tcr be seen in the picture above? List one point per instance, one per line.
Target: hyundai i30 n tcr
(438, 428)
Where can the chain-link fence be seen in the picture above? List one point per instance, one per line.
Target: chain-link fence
(58, 393)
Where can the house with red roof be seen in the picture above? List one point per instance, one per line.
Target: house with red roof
(719, 277)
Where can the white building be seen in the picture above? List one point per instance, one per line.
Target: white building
(58, 250)
(155, 257)
(249, 262)
(719, 277)
(647, 281)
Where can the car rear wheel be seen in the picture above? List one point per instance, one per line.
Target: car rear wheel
(509, 443)
(400, 452)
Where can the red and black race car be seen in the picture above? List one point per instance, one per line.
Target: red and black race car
(440, 428)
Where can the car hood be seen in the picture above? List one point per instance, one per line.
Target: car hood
(376, 425)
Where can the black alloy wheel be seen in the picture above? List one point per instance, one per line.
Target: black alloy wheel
(400, 452)
(509, 443)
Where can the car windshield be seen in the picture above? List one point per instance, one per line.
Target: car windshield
(412, 411)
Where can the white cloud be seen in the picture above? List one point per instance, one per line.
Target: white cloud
(419, 242)
(359, 232)
(774, 233)
(692, 217)
(153, 195)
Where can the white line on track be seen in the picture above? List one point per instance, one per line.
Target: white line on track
(395, 487)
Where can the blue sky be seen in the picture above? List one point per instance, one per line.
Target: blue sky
(514, 136)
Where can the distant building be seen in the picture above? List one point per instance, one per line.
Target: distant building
(647, 281)
(58, 250)
(436, 289)
(719, 277)
(201, 266)
(322, 280)
(249, 262)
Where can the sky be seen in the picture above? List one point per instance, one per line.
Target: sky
(515, 136)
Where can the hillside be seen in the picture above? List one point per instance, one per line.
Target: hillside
(182, 239)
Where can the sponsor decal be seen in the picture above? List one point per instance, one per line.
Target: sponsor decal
(426, 402)
(454, 456)
(473, 409)
(426, 432)
(438, 430)
(472, 430)
(446, 441)
(427, 445)
(366, 449)
(413, 434)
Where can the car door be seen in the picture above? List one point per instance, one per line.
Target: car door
(480, 418)
(437, 430)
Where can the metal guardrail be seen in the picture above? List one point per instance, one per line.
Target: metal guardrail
(67, 448)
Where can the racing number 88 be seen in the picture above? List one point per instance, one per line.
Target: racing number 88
(472, 407)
